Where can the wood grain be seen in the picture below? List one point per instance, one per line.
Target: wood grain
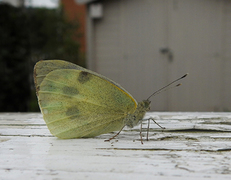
(193, 146)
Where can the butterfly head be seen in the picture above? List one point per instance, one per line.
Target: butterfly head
(134, 118)
(145, 104)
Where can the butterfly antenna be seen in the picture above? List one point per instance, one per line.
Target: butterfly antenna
(167, 86)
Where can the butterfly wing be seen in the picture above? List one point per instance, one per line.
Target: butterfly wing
(43, 67)
(76, 103)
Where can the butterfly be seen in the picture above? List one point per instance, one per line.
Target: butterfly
(76, 102)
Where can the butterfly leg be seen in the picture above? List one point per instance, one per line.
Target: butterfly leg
(148, 128)
(115, 135)
(141, 140)
(156, 123)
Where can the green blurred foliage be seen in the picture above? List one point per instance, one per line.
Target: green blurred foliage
(27, 36)
(14, 52)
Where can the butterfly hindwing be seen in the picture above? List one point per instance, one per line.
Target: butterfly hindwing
(77, 103)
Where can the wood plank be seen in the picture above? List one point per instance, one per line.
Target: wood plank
(194, 145)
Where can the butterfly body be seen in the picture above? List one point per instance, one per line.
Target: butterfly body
(76, 102)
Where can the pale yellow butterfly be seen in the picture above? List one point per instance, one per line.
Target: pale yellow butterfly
(77, 102)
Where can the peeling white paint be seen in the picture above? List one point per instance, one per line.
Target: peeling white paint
(29, 151)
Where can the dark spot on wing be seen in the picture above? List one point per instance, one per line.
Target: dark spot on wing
(84, 77)
(70, 90)
(73, 112)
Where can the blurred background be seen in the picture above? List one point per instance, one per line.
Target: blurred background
(142, 45)
(30, 31)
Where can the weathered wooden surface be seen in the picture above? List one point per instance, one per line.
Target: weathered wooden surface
(193, 146)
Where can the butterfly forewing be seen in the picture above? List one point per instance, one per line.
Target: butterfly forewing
(77, 103)
(43, 67)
